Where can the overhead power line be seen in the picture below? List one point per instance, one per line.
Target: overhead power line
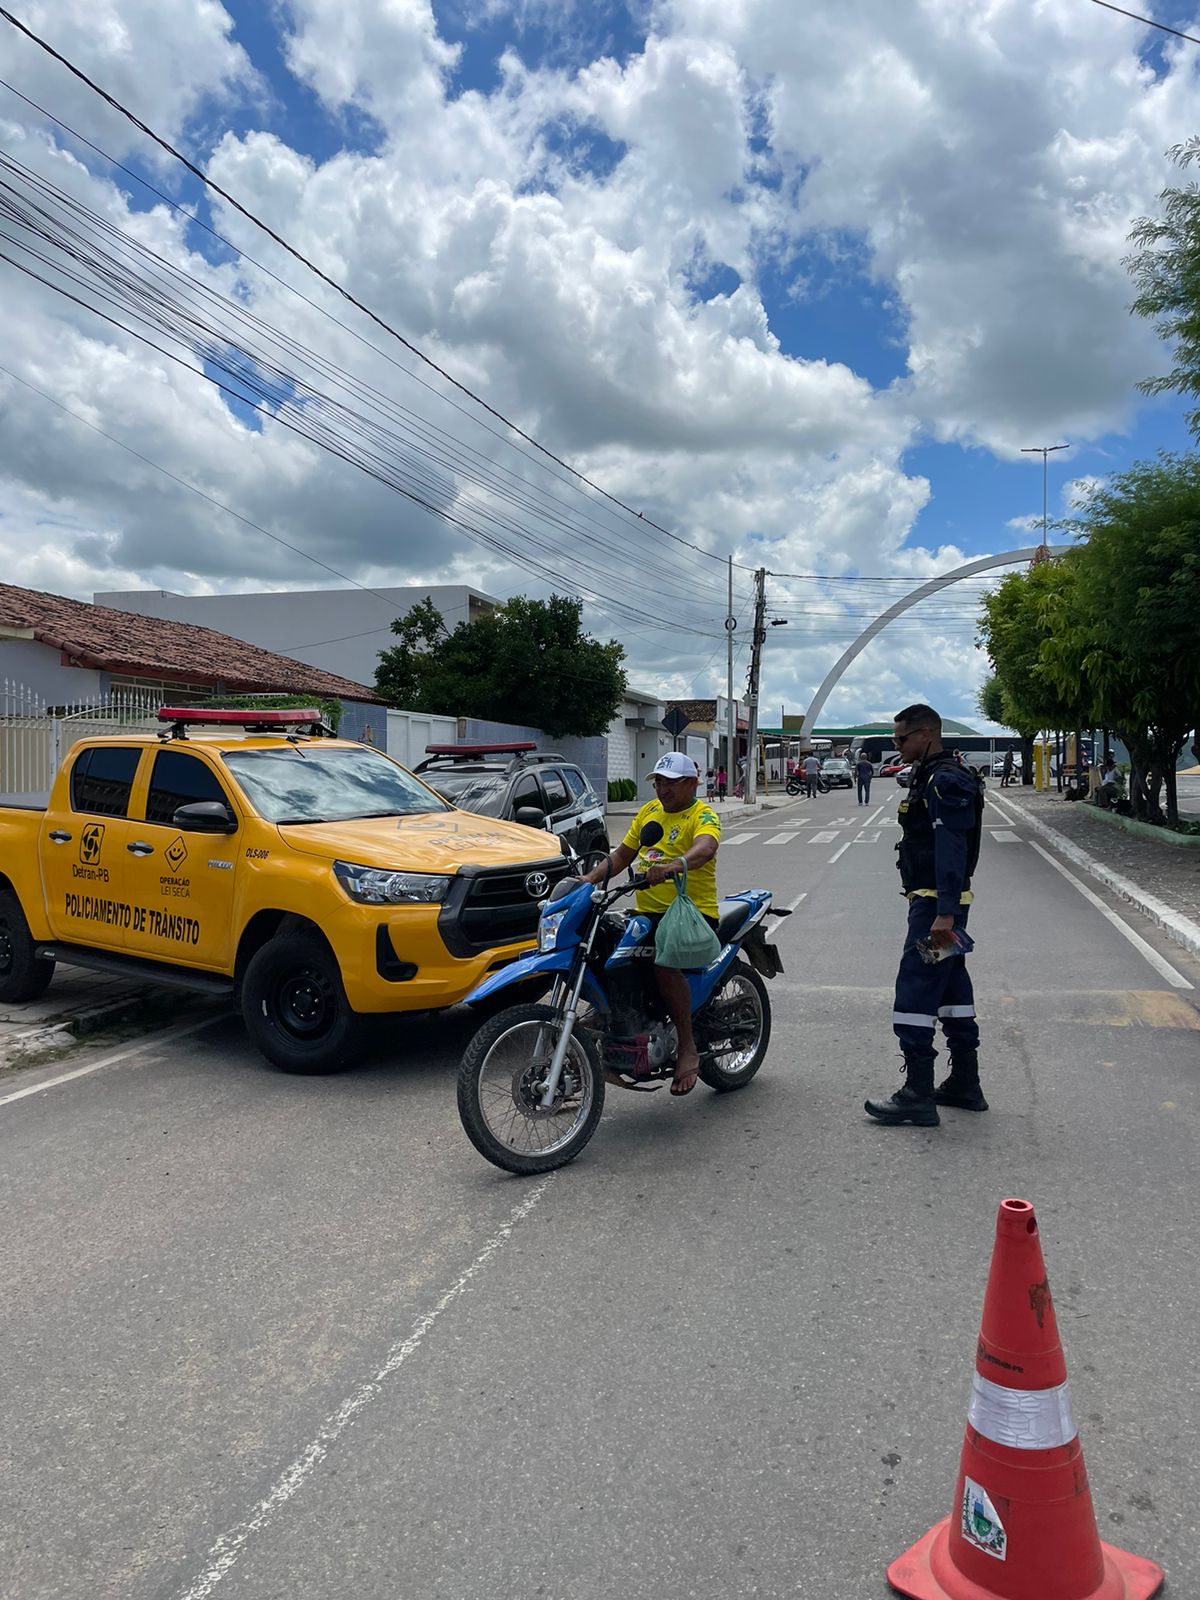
(380, 322)
(1149, 21)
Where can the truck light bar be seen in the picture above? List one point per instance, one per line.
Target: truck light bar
(198, 716)
(466, 750)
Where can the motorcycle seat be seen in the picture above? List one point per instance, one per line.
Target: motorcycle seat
(730, 916)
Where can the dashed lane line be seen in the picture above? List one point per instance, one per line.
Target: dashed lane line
(228, 1548)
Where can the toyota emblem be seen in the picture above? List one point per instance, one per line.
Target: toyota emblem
(537, 885)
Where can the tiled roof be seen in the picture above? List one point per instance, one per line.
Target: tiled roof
(695, 710)
(153, 647)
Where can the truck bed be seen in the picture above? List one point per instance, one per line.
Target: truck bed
(26, 802)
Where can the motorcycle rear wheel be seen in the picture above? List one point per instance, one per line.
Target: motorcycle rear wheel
(499, 1082)
(741, 1003)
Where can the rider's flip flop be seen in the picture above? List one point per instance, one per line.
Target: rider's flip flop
(678, 1092)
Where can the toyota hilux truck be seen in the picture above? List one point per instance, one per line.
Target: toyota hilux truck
(314, 880)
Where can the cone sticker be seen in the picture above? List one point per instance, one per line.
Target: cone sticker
(1022, 1525)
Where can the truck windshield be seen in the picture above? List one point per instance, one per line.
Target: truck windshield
(313, 784)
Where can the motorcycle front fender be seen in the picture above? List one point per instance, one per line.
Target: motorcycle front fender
(553, 962)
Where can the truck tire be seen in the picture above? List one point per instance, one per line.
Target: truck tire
(22, 975)
(295, 1008)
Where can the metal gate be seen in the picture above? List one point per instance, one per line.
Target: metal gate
(35, 735)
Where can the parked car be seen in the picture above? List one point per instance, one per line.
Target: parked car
(836, 772)
(903, 774)
(998, 766)
(889, 769)
(518, 783)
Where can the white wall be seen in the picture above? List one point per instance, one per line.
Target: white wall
(408, 732)
(38, 667)
(338, 630)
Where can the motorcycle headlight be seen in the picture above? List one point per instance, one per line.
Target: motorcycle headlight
(380, 886)
(548, 926)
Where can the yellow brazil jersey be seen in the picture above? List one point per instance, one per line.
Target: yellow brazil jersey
(680, 831)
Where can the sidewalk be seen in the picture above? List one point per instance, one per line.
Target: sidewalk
(1162, 880)
(79, 1003)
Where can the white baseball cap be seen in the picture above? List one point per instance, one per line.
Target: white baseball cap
(674, 765)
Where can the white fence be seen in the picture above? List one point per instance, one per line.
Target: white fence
(36, 735)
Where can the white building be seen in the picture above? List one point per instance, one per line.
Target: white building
(338, 630)
(636, 737)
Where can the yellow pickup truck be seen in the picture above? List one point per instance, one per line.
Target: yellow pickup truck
(248, 853)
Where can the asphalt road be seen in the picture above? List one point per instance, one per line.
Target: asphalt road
(272, 1337)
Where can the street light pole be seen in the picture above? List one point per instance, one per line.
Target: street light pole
(1043, 450)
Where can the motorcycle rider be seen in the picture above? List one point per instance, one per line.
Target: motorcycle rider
(942, 821)
(691, 833)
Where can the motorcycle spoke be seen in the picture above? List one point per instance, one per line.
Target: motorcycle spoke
(510, 1083)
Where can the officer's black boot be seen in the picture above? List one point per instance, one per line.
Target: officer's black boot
(913, 1102)
(961, 1088)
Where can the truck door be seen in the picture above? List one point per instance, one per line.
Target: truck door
(82, 848)
(181, 883)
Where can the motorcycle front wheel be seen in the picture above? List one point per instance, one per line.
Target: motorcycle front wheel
(500, 1085)
(736, 1024)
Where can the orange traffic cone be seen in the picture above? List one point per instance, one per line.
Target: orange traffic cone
(1022, 1527)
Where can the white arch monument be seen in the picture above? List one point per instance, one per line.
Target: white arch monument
(1010, 559)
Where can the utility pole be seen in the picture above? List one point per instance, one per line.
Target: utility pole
(730, 708)
(760, 634)
(1043, 450)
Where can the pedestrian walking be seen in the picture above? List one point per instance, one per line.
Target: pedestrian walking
(1007, 770)
(722, 782)
(812, 771)
(863, 773)
(941, 818)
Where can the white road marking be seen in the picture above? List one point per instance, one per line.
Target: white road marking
(739, 838)
(875, 814)
(230, 1545)
(111, 1061)
(840, 822)
(822, 838)
(782, 838)
(840, 851)
(868, 838)
(1003, 836)
(1160, 965)
(791, 906)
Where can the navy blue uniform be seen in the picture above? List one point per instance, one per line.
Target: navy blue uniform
(942, 822)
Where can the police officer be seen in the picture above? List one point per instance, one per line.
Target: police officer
(942, 822)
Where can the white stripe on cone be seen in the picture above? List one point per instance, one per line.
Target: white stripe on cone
(1022, 1419)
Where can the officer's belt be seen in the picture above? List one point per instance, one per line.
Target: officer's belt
(964, 899)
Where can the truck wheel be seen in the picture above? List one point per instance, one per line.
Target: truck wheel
(295, 1008)
(22, 975)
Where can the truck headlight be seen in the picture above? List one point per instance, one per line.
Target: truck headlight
(381, 886)
(548, 926)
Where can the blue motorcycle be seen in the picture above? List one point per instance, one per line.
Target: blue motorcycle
(531, 1084)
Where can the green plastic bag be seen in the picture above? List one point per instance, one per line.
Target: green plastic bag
(683, 938)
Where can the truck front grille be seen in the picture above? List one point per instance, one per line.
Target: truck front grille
(491, 906)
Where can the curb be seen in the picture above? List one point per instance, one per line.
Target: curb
(1179, 929)
(58, 1035)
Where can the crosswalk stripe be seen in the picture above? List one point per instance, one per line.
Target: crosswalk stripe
(739, 838)
(822, 838)
(1004, 836)
(781, 838)
(868, 838)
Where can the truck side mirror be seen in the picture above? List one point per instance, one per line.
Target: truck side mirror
(530, 816)
(205, 816)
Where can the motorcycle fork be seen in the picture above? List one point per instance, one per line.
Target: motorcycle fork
(567, 1027)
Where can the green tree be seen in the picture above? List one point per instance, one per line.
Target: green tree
(993, 704)
(1165, 267)
(1127, 632)
(527, 662)
(1019, 619)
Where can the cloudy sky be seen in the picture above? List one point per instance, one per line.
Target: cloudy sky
(791, 282)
